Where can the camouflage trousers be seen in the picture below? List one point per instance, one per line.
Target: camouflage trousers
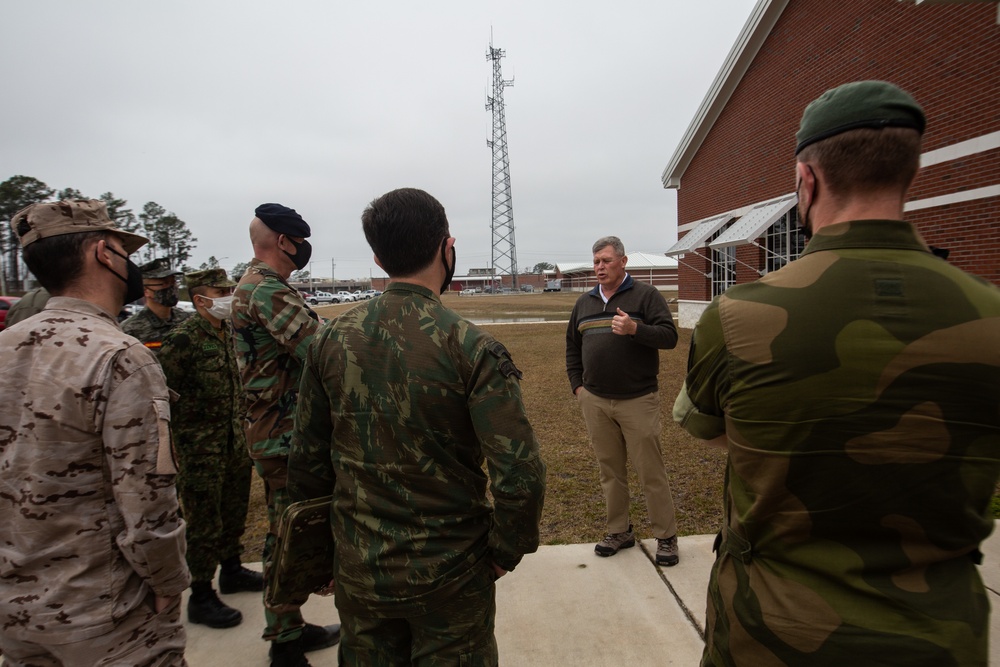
(285, 625)
(143, 638)
(214, 491)
(459, 632)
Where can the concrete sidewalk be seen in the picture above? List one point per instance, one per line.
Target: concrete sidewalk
(564, 605)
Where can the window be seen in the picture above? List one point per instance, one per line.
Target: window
(785, 241)
(723, 266)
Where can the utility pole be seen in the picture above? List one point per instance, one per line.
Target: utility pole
(333, 275)
(503, 260)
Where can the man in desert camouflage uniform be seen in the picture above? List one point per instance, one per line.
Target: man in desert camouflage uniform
(273, 328)
(199, 361)
(92, 548)
(400, 403)
(856, 390)
(160, 315)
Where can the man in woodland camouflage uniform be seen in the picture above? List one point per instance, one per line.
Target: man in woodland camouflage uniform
(856, 390)
(273, 328)
(92, 548)
(160, 315)
(30, 304)
(199, 360)
(401, 400)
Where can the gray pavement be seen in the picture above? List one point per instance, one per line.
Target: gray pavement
(564, 605)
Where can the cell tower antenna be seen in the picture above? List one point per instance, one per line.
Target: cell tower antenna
(504, 257)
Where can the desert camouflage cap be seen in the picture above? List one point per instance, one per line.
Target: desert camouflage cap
(158, 268)
(872, 104)
(208, 278)
(71, 216)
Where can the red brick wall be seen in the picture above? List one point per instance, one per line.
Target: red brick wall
(947, 56)
(970, 230)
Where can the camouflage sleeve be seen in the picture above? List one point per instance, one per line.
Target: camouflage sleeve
(699, 407)
(285, 316)
(310, 468)
(517, 473)
(657, 328)
(139, 457)
(175, 360)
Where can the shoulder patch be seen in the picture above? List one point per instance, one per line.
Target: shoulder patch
(506, 366)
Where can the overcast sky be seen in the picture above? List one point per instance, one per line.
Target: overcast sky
(210, 108)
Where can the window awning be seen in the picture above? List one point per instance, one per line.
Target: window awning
(697, 236)
(754, 223)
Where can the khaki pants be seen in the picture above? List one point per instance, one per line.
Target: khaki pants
(623, 430)
(141, 639)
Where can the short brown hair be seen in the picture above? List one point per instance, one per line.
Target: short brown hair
(866, 160)
(57, 261)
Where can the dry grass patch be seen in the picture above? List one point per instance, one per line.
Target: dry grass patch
(574, 505)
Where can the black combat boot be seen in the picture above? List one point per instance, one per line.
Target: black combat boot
(206, 608)
(234, 578)
(314, 637)
(288, 654)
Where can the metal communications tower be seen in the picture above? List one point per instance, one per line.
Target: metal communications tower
(504, 258)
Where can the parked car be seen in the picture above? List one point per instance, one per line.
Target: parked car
(5, 303)
(467, 292)
(323, 297)
(370, 293)
(346, 296)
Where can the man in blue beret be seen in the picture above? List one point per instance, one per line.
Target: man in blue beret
(273, 328)
(856, 392)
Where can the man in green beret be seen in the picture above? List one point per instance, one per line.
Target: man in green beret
(199, 360)
(160, 315)
(856, 392)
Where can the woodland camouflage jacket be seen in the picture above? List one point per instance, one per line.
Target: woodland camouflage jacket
(401, 402)
(859, 390)
(273, 328)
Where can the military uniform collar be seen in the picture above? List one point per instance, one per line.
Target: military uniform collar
(415, 289)
(896, 234)
(79, 306)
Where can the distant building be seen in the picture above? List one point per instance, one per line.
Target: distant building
(734, 167)
(657, 270)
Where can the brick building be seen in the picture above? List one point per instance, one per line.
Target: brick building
(734, 167)
(651, 268)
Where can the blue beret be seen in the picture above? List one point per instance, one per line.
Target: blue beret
(283, 220)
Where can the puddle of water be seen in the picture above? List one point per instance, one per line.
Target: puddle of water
(517, 320)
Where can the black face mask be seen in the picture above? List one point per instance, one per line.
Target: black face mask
(449, 271)
(133, 283)
(803, 216)
(166, 296)
(303, 251)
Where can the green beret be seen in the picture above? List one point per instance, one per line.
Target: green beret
(208, 278)
(873, 104)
